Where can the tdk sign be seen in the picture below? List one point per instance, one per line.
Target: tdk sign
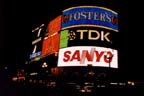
(90, 16)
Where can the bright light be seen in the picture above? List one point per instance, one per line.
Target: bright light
(84, 55)
(14, 78)
(114, 83)
(44, 65)
(35, 73)
(131, 83)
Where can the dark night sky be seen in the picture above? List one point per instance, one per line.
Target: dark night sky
(16, 29)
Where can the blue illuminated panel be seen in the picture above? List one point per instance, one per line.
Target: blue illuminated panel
(90, 16)
(35, 55)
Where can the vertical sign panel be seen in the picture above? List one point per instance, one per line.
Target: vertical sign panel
(51, 42)
(64, 38)
(37, 39)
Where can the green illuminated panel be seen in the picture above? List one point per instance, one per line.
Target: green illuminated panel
(37, 58)
(64, 38)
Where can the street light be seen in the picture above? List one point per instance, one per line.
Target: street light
(109, 59)
(44, 65)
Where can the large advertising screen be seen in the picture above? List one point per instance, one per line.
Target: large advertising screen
(88, 36)
(84, 55)
(51, 42)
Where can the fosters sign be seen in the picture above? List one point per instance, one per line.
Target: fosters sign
(90, 16)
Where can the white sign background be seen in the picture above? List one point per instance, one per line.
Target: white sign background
(75, 62)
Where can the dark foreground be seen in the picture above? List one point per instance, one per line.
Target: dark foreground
(69, 90)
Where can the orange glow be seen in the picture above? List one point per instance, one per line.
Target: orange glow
(14, 79)
(55, 71)
(51, 42)
(54, 25)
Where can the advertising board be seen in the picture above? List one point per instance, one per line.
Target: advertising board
(51, 42)
(37, 39)
(84, 55)
(90, 16)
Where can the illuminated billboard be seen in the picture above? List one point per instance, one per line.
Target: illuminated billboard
(64, 38)
(90, 16)
(37, 39)
(84, 55)
(88, 36)
(51, 42)
(54, 25)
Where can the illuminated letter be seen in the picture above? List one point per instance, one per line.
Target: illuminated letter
(102, 16)
(83, 14)
(70, 16)
(77, 16)
(96, 16)
(108, 57)
(81, 33)
(64, 18)
(93, 38)
(89, 15)
(66, 56)
(76, 55)
(85, 55)
(114, 20)
(105, 36)
(108, 18)
(99, 55)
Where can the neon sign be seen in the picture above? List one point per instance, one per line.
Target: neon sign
(90, 16)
